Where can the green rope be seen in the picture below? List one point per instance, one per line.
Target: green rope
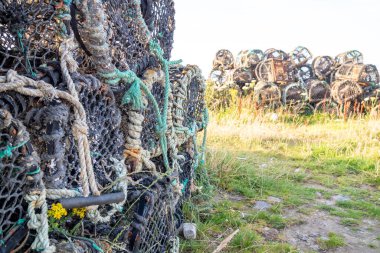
(20, 35)
(35, 172)
(134, 96)
(7, 152)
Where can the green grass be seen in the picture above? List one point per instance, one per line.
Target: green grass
(332, 242)
(296, 159)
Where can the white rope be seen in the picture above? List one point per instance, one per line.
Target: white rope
(39, 222)
(80, 128)
(121, 173)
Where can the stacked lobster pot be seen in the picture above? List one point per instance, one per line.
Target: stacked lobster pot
(281, 77)
(346, 85)
(244, 76)
(98, 128)
(222, 69)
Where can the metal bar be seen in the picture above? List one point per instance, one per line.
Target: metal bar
(79, 202)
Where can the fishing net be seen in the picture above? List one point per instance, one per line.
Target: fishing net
(317, 90)
(112, 125)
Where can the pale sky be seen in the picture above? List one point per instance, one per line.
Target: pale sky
(325, 27)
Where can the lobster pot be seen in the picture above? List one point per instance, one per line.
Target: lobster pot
(242, 76)
(224, 60)
(305, 73)
(300, 56)
(276, 54)
(365, 75)
(293, 93)
(346, 91)
(323, 66)
(249, 58)
(29, 36)
(19, 174)
(123, 37)
(154, 226)
(353, 57)
(188, 113)
(267, 94)
(317, 90)
(275, 71)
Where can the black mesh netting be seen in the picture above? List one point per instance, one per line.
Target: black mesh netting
(29, 35)
(20, 173)
(156, 211)
(129, 47)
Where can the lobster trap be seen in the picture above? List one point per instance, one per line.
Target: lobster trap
(275, 71)
(98, 127)
(300, 56)
(353, 57)
(317, 90)
(364, 75)
(249, 58)
(224, 60)
(323, 66)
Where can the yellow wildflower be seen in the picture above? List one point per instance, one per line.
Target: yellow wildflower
(57, 211)
(80, 212)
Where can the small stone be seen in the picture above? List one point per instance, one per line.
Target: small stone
(319, 195)
(314, 234)
(189, 231)
(302, 237)
(274, 200)
(270, 233)
(262, 205)
(274, 117)
(340, 198)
